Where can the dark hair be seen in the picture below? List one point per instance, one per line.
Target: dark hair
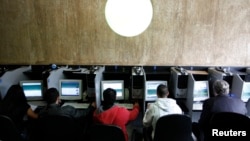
(15, 94)
(13, 99)
(51, 95)
(109, 97)
(162, 90)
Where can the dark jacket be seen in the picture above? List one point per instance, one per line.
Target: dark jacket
(55, 109)
(220, 103)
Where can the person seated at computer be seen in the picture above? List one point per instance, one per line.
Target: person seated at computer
(15, 106)
(162, 106)
(109, 113)
(221, 102)
(54, 107)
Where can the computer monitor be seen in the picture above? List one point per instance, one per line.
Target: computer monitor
(245, 92)
(118, 85)
(70, 89)
(201, 91)
(150, 89)
(33, 89)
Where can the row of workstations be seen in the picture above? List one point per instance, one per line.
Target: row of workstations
(78, 86)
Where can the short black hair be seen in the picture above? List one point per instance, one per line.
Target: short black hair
(162, 90)
(51, 95)
(109, 96)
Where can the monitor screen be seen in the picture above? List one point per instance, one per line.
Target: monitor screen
(70, 89)
(245, 92)
(201, 90)
(150, 89)
(118, 85)
(33, 89)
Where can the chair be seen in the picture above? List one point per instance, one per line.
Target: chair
(104, 132)
(56, 127)
(174, 127)
(226, 121)
(8, 130)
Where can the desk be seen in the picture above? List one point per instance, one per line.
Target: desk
(197, 106)
(197, 72)
(37, 103)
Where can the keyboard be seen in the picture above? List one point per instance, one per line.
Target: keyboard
(126, 105)
(37, 103)
(197, 106)
(77, 105)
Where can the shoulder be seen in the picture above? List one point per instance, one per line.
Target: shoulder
(171, 100)
(208, 103)
(152, 106)
(211, 100)
(239, 101)
(24, 106)
(120, 108)
(67, 107)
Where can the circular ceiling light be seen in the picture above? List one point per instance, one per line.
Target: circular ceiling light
(128, 17)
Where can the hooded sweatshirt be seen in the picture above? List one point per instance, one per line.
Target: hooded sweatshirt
(161, 107)
(116, 115)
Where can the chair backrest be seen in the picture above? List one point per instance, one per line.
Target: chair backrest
(227, 121)
(56, 127)
(174, 127)
(8, 130)
(104, 132)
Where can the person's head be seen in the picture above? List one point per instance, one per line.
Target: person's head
(52, 96)
(109, 97)
(15, 94)
(221, 87)
(13, 99)
(162, 91)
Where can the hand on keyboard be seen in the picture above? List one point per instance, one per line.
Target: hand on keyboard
(136, 104)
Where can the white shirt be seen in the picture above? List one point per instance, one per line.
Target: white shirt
(161, 107)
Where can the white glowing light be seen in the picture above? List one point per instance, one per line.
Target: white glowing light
(129, 17)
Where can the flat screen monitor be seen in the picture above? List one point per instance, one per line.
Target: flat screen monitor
(118, 85)
(33, 89)
(150, 89)
(245, 92)
(70, 89)
(201, 91)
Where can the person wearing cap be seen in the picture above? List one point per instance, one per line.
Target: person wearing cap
(221, 102)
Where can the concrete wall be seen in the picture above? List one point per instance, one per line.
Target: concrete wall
(182, 32)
